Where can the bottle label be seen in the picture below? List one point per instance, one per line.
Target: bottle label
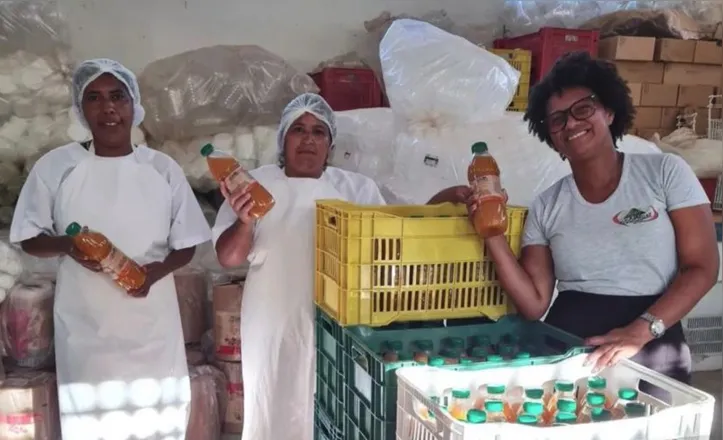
(228, 335)
(488, 188)
(238, 179)
(115, 264)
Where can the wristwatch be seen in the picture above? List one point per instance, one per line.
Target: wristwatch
(657, 327)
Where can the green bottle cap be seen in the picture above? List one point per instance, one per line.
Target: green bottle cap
(564, 386)
(534, 408)
(479, 148)
(628, 393)
(566, 417)
(596, 399)
(206, 150)
(465, 361)
(567, 405)
(496, 389)
(527, 419)
(597, 383)
(635, 409)
(73, 229)
(481, 340)
(449, 353)
(495, 358)
(600, 416)
(494, 406)
(523, 355)
(534, 393)
(436, 361)
(456, 342)
(394, 345)
(461, 394)
(424, 344)
(476, 416)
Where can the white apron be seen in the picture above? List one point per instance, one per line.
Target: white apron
(121, 363)
(277, 315)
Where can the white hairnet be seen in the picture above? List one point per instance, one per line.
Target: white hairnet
(306, 103)
(88, 71)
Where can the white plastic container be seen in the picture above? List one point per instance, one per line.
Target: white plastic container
(689, 415)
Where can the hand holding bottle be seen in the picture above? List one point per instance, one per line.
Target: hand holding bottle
(76, 255)
(241, 202)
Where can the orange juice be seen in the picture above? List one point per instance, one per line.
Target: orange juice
(225, 168)
(96, 247)
(483, 174)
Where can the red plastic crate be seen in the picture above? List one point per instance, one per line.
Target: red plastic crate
(548, 44)
(348, 89)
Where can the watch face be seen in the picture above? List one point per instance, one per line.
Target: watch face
(657, 328)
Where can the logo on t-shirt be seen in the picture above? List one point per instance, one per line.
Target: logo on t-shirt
(635, 216)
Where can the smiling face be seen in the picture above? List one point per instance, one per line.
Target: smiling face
(108, 109)
(306, 147)
(578, 124)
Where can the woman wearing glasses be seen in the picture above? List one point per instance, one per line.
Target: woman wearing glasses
(628, 238)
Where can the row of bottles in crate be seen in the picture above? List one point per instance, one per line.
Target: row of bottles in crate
(556, 403)
(454, 350)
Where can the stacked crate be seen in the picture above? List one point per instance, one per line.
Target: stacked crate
(520, 60)
(389, 275)
(670, 80)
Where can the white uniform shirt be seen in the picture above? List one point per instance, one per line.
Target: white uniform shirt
(34, 211)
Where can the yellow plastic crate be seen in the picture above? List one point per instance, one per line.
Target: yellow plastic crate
(521, 60)
(379, 264)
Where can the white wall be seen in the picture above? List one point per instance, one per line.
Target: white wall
(136, 32)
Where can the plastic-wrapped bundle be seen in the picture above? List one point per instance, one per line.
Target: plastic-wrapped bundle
(435, 78)
(365, 141)
(705, 156)
(233, 417)
(26, 320)
(239, 142)
(423, 165)
(208, 386)
(11, 267)
(215, 89)
(191, 289)
(29, 406)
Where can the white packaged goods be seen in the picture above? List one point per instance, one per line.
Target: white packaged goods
(26, 320)
(208, 386)
(214, 89)
(688, 415)
(29, 407)
(233, 417)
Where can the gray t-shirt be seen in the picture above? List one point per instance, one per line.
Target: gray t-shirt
(624, 245)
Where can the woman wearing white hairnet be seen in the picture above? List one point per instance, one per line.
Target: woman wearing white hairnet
(277, 314)
(120, 357)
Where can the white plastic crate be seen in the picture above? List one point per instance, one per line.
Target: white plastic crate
(689, 415)
(715, 124)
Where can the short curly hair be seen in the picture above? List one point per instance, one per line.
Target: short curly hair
(579, 69)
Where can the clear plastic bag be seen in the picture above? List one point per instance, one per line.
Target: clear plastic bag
(656, 23)
(215, 89)
(208, 386)
(436, 78)
(26, 318)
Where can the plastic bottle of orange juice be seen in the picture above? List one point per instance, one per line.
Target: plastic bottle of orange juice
(225, 168)
(483, 174)
(96, 247)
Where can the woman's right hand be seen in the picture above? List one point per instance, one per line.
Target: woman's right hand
(241, 203)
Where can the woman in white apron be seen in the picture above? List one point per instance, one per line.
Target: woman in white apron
(120, 356)
(277, 319)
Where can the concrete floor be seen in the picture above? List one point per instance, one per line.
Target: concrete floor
(709, 381)
(712, 383)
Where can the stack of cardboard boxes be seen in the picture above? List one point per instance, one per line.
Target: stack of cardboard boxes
(670, 80)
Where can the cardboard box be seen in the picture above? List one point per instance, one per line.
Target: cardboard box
(708, 52)
(694, 96)
(669, 117)
(659, 95)
(647, 117)
(674, 51)
(636, 89)
(627, 48)
(648, 133)
(692, 74)
(641, 71)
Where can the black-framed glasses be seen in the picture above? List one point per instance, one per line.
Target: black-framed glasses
(581, 110)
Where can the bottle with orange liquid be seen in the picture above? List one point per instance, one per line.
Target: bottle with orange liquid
(96, 247)
(225, 168)
(483, 174)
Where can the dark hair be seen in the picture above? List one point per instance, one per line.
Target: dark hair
(579, 69)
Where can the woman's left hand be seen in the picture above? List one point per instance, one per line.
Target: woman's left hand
(621, 343)
(154, 272)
